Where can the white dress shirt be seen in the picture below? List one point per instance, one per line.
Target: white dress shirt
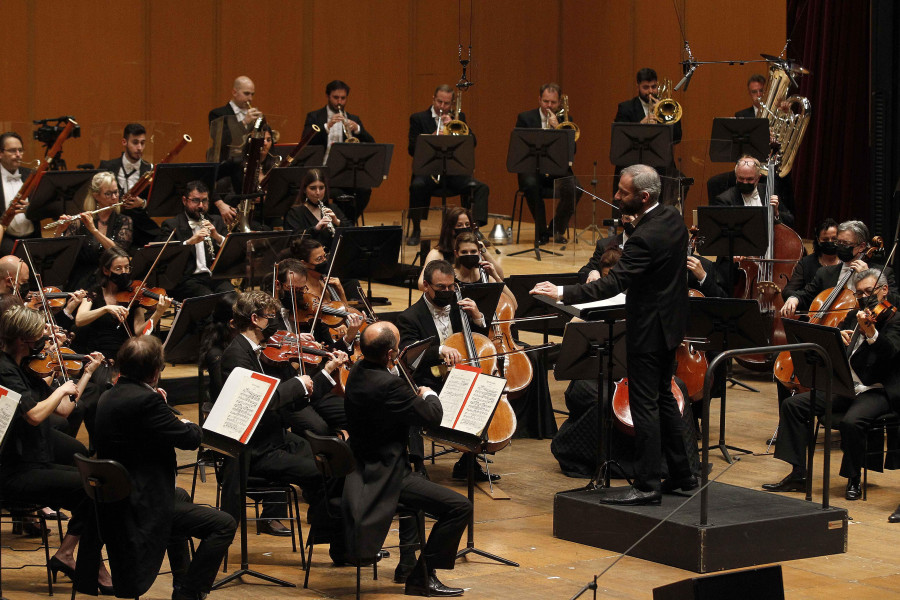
(12, 182)
(129, 174)
(240, 113)
(199, 250)
(752, 199)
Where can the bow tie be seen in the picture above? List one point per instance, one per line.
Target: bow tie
(442, 311)
(12, 178)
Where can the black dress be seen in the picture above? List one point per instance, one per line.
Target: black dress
(300, 219)
(84, 274)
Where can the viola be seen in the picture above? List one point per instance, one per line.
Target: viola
(44, 364)
(147, 297)
(622, 408)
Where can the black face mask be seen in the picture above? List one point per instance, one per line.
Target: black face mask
(288, 302)
(24, 288)
(443, 298)
(122, 280)
(321, 268)
(867, 302)
(846, 254)
(745, 188)
(826, 248)
(469, 261)
(270, 329)
(460, 230)
(38, 346)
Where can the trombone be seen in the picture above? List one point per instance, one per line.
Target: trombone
(563, 116)
(667, 111)
(77, 217)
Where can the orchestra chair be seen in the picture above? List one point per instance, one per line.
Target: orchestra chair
(519, 204)
(21, 510)
(334, 459)
(882, 431)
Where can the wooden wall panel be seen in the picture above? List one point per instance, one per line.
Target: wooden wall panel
(172, 61)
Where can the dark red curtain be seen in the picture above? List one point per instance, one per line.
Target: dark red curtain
(831, 172)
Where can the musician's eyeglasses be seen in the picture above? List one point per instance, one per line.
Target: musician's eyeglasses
(841, 244)
(442, 288)
(866, 293)
(748, 163)
(268, 316)
(112, 194)
(14, 150)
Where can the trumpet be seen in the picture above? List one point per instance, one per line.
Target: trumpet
(77, 217)
(563, 116)
(348, 135)
(667, 111)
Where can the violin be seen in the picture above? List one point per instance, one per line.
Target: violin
(880, 313)
(147, 297)
(283, 347)
(333, 313)
(45, 364)
(622, 408)
(56, 299)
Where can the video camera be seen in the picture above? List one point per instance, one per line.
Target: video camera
(47, 133)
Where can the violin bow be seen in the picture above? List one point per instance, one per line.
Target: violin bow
(312, 327)
(47, 313)
(150, 270)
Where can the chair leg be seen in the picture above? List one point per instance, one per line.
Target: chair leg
(358, 575)
(45, 540)
(296, 497)
(309, 541)
(290, 510)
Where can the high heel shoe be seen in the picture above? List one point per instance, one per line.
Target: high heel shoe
(105, 590)
(57, 565)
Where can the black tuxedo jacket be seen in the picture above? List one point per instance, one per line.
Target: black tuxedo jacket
(877, 362)
(115, 166)
(421, 123)
(320, 117)
(653, 270)
(226, 111)
(381, 408)
(4, 200)
(827, 277)
(632, 111)
(136, 427)
(415, 323)
(732, 197)
(183, 232)
(531, 119)
(603, 244)
(747, 113)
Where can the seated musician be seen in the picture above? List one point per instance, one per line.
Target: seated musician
(755, 86)
(325, 413)
(469, 262)
(136, 428)
(14, 277)
(12, 176)
(381, 408)
(852, 239)
(101, 231)
(824, 254)
(456, 220)
(437, 314)
(336, 125)
(592, 270)
(314, 259)
(196, 227)
(272, 453)
(874, 350)
(229, 126)
(308, 217)
(422, 187)
(748, 191)
(128, 169)
(29, 469)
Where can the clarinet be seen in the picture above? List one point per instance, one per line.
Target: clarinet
(330, 226)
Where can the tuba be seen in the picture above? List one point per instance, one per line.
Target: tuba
(456, 126)
(563, 116)
(788, 117)
(667, 110)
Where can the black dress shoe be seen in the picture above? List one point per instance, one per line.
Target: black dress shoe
(560, 239)
(791, 483)
(272, 527)
(413, 240)
(854, 491)
(630, 496)
(461, 472)
(433, 587)
(685, 484)
(895, 516)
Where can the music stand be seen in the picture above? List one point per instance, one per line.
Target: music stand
(726, 324)
(540, 152)
(733, 137)
(535, 306)
(169, 182)
(183, 342)
(244, 254)
(169, 271)
(53, 258)
(355, 166)
(638, 143)
(283, 188)
(486, 297)
(368, 252)
(309, 155)
(56, 192)
(443, 155)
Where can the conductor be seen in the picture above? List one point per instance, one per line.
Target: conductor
(654, 273)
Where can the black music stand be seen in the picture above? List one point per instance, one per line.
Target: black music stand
(183, 342)
(249, 255)
(486, 297)
(727, 324)
(540, 152)
(283, 188)
(443, 155)
(309, 155)
(355, 166)
(370, 253)
(56, 193)
(638, 143)
(53, 258)
(534, 306)
(733, 137)
(170, 268)
(169, 182)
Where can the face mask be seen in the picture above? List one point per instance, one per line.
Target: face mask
(846, 254)
(460, 230)
(469, 261)
(745, 188)
(828, 248)
(270, 329)
(38, 346)
(288, 303)
(443, 298)
(122, 280)
(867, 302)
(322, 268)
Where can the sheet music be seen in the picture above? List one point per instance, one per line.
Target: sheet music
(9, 401)
(615, 301)
(240, 404)
(454, 392)
(469, 398)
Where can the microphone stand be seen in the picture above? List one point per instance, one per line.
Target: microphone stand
(595, 231)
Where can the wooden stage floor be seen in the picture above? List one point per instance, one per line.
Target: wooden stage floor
(521, 528)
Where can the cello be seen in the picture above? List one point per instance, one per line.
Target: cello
(763, 278)
(514, 366)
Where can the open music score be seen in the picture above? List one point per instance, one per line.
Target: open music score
(469, 398)
(9, 402)
(616, 301)
(238, 409)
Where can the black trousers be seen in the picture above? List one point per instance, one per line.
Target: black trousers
(473, 195)
(567, 197)
(657, 421)
(352, 210)
(200, 284)
(794, 431)
(452, 511)
(215, 530)
(56, 486)
(324, 416)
